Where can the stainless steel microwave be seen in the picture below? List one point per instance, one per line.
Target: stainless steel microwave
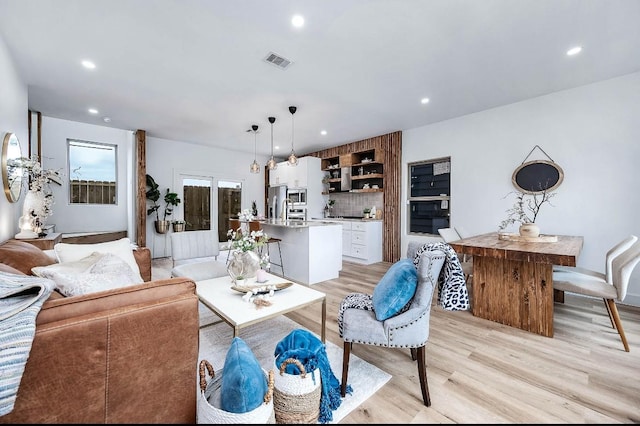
(297, 197)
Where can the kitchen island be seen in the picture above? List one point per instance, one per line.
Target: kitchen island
(311, 250)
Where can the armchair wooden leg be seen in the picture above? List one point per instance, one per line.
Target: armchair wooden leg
(422, 374)
(606, 305)
(413, 354)
(345, 368)
(616, 319)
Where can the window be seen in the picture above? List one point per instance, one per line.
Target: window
(92, 172)
(429, 195)
(229, 202)
(197, 202)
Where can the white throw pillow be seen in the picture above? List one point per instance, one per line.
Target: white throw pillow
(107, 273)
(122, 248)
(76, 267)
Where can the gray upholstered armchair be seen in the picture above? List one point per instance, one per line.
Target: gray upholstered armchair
(408, 329)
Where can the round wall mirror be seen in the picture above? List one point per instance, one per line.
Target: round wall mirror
(534, 177)
(11, 167)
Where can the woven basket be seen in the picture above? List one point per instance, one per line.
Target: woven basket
(209, 400)
(296, 397)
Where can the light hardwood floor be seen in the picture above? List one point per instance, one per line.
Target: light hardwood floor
(483, 372)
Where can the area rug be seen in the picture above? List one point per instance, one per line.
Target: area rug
(216, 336)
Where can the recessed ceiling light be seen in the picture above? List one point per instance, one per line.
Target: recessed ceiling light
(88, 64)
(574, 50)
(323, 132)
(276, 147)
(424, 101)
(107, 119)
(93, 111)
(297, 21)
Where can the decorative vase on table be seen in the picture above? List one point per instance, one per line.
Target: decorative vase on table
(243, 265)
(529, 230)
(33, 215)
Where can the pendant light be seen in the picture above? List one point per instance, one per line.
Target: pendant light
(255, 167)
(292, 160)
(271, 164)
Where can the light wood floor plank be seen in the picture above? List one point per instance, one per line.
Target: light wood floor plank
(483, 372)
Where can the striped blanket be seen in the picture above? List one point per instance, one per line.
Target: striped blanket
(21, 298)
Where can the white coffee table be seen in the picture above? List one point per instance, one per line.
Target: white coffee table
(217, 295)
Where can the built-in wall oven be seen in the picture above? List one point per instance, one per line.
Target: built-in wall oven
(297, 197)
(297, 213)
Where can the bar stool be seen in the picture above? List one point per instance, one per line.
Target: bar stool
(255, 225)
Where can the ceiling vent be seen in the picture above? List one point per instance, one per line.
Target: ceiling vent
(278, 61)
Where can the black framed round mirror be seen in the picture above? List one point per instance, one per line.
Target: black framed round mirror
(534, 177)
(11, 167)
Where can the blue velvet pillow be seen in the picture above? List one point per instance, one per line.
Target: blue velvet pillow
(396, 288)
(244, 384)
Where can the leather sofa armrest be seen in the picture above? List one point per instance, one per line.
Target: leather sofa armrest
(143, 259)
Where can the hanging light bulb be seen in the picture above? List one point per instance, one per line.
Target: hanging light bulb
(271, 164)
(292, 160)
(255, 167)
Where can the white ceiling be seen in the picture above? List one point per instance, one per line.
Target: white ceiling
(193, 70)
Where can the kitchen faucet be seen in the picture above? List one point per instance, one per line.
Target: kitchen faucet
(285, 209)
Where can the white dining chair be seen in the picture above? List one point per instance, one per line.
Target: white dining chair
(613, 252)
(597, 286)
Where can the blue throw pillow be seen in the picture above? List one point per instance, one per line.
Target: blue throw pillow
(244, 384)
(396, 288)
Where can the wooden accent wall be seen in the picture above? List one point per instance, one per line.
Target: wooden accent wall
(391, 145)
(141, 207)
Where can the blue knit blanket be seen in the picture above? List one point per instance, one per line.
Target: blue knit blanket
(21, 298)
(311, 352)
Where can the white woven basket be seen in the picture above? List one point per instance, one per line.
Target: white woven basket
(296, 397)
(209, 398)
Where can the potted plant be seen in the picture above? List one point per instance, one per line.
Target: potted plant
(179, 225)
(170, 198)
(366, 212)
(525, 211)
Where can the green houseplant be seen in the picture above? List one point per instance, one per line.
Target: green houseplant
(170, 199)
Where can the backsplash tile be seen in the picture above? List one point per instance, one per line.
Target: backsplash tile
(352, 204)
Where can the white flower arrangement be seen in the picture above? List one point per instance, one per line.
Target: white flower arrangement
(246, 242)
(39, 181)
(246, 215)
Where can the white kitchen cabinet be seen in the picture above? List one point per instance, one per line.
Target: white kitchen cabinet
(303, 175)
(280, 176)
(346, 238)
(362, 241)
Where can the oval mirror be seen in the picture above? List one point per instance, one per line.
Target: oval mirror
(534, 177)
(11, 167)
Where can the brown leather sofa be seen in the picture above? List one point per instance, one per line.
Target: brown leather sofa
(127, 355)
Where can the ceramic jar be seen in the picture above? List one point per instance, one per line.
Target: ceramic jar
(529, 230)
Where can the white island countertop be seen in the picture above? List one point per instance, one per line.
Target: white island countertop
(311, 250)
(296, 223)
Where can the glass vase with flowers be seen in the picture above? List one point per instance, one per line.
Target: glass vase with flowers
(246, 260)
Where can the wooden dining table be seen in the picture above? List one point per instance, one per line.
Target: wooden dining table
(513, 280)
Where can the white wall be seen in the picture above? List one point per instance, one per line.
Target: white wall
(13, 119)
(592, 132)
(166, 159)
(91, 217)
